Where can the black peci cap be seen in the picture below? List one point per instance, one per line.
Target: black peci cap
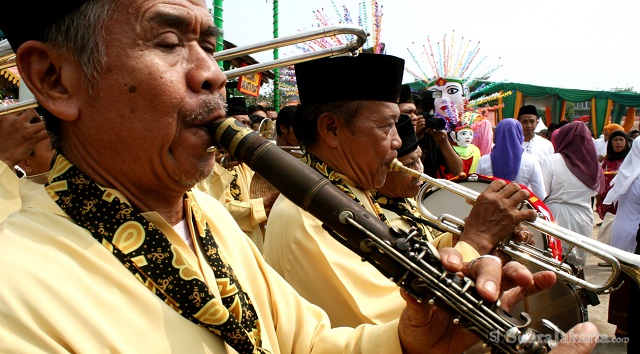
(407, 134)
(22, 21)
(236, 106)
(528, 109)
(405, 94)
(374, 77)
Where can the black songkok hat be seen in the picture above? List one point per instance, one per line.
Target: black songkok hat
(374, 77)
(236, 106)
(529, 109)
(407, 134)
(405, 94)
(20, 22)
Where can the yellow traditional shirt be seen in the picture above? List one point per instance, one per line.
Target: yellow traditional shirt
(64, 292)
(216, 184)
(325, 272)
(248, 213)
(9, 191)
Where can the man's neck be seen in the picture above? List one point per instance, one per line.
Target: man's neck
(528, 139)
(169, 205)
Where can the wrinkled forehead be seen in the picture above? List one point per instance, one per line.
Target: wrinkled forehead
(177, 13)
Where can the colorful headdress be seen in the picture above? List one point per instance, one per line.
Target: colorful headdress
(369, 18)
(451, 60)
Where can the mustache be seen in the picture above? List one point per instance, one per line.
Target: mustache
(207, 107)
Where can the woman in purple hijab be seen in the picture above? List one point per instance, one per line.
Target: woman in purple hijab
(508, 162)
(571, 177)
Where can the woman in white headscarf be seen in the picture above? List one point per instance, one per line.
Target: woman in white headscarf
(626, 192)
(624, 232)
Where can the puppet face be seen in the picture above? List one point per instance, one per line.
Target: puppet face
(454, 92)
(464, 137)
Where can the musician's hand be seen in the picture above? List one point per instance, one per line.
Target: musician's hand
(581, 339)
(19, 134)
(268, 200)
(425, 328)
(495, 215)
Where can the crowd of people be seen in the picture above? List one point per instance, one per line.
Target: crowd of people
(129, 233)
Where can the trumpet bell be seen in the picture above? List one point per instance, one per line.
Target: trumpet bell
(267, 129)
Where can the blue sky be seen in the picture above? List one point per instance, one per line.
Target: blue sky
(592, 45)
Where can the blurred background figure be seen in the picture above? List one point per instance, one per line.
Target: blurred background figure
(625, 191)
(544, 133)
(271, 113)
(617, 149)
(237, 108)
(286, 137)
(256, 109)
(255, 121)
(508, 161)
(533, 144)
(601, 144)
(571, 177)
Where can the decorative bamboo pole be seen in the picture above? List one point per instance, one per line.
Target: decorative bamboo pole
(218, 22)
(276, 72)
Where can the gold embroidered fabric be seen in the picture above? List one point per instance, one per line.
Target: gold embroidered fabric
(145, 251)
(407, 209)
(335, 179)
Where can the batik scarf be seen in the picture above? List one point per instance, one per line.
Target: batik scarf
(333, 177)
(146, 252)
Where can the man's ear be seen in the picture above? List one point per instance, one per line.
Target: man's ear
(53, 77)
(328, 124)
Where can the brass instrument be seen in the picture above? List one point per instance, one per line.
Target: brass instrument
(527, 254)
(18, 107)
(329, 31)
(267, 129)
(399, 255)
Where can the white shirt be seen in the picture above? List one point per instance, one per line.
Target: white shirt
(601, 145)
(539, 147)
(529, 174)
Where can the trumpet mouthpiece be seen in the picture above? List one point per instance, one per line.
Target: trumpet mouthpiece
(396, 165)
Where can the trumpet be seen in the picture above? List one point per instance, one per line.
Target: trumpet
(527, 254)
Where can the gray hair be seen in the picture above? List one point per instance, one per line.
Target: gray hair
(81, 35)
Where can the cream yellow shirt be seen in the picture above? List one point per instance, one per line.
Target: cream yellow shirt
(216, 184)
(9, 191)
(325, 272)
(64, 292)
(248, 213)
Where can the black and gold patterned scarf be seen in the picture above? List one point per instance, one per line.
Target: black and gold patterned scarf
(234, 187)
(407, 209)
(146, 252)
(335, 179)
